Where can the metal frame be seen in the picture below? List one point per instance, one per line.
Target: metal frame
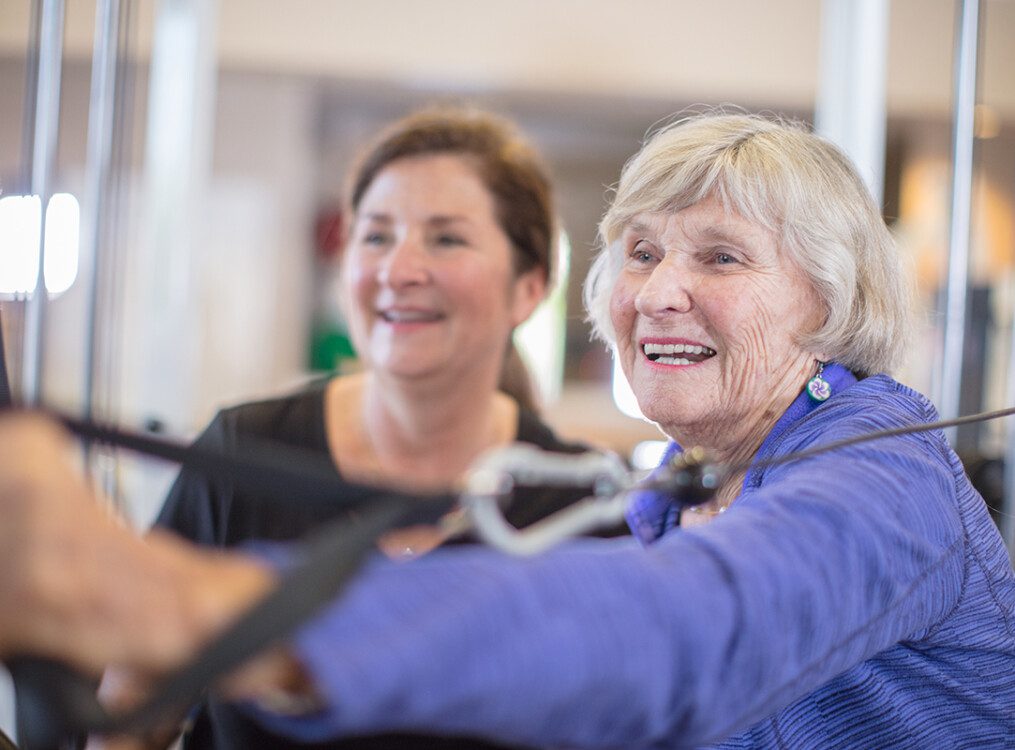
(953, 343)
(48, 49)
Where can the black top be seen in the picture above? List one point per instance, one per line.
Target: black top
(210, 511)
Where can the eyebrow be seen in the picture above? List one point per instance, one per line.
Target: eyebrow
(439, 220)
(720, 234)
(442, 220)
(381, 218)
(638, 227)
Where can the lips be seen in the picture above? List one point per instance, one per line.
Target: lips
(676, 353)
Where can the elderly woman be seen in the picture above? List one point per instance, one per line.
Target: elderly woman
(856, 598)
(853, 598)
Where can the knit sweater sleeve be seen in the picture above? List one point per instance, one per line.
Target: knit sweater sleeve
(605, 644)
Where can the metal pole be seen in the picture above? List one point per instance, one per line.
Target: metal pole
(31, 97)
(101, 122)
(108, 309)
(961, 200)
(47, 128)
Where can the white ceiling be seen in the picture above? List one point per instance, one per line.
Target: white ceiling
(741, 51)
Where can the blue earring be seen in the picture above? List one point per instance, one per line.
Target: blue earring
(817, 387)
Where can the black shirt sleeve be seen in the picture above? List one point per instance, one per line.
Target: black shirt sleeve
(214, 510)
(198, 504)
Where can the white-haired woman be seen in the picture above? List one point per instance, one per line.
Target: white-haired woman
(853, 598)
(856, 598)
(754, 250)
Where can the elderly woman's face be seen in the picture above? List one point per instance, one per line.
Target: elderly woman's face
(707, 311)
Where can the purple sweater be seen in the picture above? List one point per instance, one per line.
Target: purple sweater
(860, 598)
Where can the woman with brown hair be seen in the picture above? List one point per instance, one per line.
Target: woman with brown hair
(449, 248)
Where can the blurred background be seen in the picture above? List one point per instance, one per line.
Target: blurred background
(195, 204)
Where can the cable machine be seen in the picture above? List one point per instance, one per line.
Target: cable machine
(107, 117)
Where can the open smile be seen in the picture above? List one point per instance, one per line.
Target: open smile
(405, 316)
(677, 354)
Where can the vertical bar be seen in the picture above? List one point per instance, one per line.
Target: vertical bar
(106, 325)
(101, 123)
(47, 128)
(31, 97)
(953, 348)
(108, 317)
(851, 101)
(16, 310)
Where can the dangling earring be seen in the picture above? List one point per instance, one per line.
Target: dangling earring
(817, 387)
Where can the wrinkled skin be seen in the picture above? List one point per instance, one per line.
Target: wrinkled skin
(705, 276)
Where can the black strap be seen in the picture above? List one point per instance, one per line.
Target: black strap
(264, 466)
(54, 703)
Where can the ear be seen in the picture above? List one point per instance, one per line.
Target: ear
(529, 290)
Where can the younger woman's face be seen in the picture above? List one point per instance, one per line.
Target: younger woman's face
(428, 276)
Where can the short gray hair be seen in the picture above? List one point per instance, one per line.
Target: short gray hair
(780, 175)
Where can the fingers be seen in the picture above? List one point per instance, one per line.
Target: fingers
(121, 690)
(410, 542)
(50, 517)
(77, 586)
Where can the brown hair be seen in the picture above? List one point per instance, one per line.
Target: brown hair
(508, 166)
(510, 169)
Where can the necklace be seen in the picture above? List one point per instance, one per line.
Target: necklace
(718, 505)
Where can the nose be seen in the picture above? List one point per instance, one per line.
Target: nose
(405, 264)
(666, 291)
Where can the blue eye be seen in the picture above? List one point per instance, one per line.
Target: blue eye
(640, 255)
(375, 238)
(724, 259)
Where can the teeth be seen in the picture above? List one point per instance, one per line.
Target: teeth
(668, 349)
(408, 316)
(673, 361)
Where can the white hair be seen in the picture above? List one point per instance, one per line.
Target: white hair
(794, 183)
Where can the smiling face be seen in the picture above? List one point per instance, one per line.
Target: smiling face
(707, 311)
(428, 279)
